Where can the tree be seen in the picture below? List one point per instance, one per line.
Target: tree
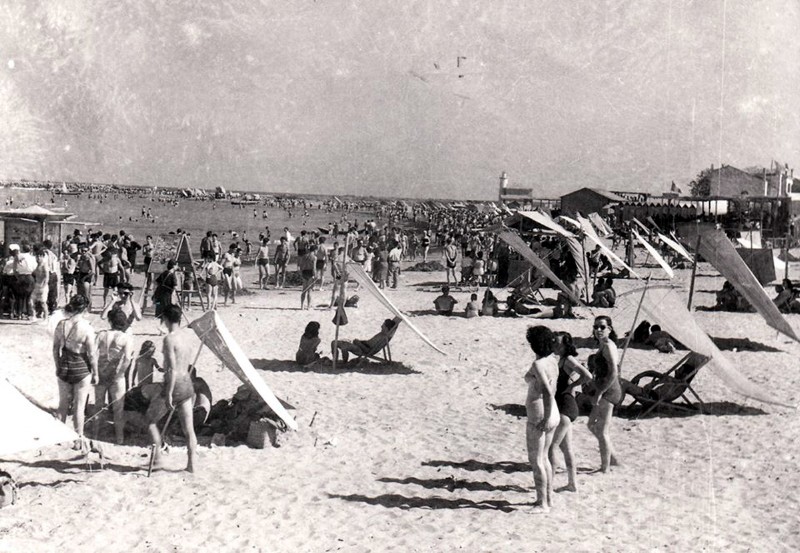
(701, 185)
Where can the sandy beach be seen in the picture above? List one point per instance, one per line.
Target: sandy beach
(427, 453)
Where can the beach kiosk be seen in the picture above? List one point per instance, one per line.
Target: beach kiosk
(33, 225)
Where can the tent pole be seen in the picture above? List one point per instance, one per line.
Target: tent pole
(633, 325)
(694, 272)
(340, 300)
(586, 269)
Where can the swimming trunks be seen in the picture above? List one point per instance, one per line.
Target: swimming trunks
(307, 274)
(212, 280)
(183, 390)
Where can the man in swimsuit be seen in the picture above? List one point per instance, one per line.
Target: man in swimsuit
(178, 390)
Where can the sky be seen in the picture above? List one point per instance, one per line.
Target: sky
(398, 99)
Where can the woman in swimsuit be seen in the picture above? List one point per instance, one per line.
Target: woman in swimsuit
(114, 356)
(606, 373)
(542, 412)
(571, 373)
(309, 342)
(76, 361)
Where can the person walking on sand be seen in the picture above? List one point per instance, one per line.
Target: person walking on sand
(178, 390)
(543, 415)
(306, 263)
(282, 256)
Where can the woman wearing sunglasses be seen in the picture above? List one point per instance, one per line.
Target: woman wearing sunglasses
(605, 365)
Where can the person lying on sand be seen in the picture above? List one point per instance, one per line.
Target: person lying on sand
(363, 347)
(177, 390)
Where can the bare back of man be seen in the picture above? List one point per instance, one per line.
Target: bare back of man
(178, 392)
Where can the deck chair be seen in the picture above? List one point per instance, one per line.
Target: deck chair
(384, 350)
(666, 388)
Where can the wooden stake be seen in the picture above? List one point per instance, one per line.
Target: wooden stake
(694, 271)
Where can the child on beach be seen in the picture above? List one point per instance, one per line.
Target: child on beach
(309, 342)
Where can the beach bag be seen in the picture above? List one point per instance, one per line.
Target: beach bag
(8, 490)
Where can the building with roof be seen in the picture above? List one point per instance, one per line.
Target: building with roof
(588, 200)
(32, 225)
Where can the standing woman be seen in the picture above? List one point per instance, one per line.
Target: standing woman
(262, 260)
(571, 373)
(542, 411)
(450, 254)
(605, 364)
(75, 358)
(114, 356)
(307, 266)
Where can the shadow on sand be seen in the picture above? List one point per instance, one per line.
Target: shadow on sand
(434, 503)
(678, 410)
(451, 484)
(513, 409)
(79, 465)
(282, 365)
(474, 465)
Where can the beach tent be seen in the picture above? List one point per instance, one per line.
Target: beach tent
(653, 253)
(666, 308)
(592, 236)
(356, 271)
(25, 426)
(515, 242)
(675, 245)
(600, 223)
(752, 241)
(213, 333)
(718, 250)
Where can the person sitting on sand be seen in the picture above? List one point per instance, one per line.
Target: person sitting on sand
(727, 298)
(445, 303)
(473, 308)
(604, 294)
(542, 412)
(177, 392)
(787, 299)
(114, 356)
(489, 307)
(363, 347)
(309, 342)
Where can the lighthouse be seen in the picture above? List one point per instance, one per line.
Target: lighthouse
(503, 185)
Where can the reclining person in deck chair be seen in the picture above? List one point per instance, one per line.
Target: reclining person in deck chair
(370, 347)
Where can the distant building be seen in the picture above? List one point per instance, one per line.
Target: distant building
(588, 200)
(508, 195)
(730, 182)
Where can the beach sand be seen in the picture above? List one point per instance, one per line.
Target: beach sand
(427, 453)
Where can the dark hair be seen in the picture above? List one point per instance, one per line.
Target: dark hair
(473, 297)
(569, 346)
(171, 264)
(117, 319)
(77, 304)
(312, 330)
(148, 348)
(172, 314)
(655, 328)
(612, 334)
(541, 340)
(389, 324)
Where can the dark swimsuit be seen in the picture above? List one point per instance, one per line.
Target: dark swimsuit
(73, 367)
(565, 401)
(614, 392)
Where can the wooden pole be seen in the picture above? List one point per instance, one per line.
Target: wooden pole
(633, 324)
(694, 271)
(340, 300)
(586, 270)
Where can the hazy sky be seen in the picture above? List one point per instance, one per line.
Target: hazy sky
(396, 98)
